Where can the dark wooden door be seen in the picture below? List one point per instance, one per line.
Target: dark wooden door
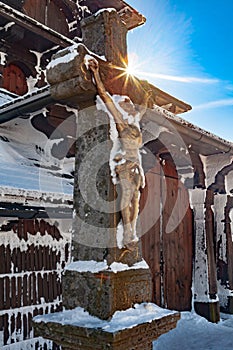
(14, 80)
(150, 224)
(168, 244)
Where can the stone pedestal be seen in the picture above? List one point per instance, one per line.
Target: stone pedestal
(105, 292)
(105, 337)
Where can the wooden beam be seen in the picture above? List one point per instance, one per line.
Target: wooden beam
(131, 17)
(72, 82)
(34, 26)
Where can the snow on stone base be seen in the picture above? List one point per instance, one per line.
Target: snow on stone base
(98, 266)
(139, 314)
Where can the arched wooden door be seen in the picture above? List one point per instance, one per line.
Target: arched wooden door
(14, 80)
(168, 244)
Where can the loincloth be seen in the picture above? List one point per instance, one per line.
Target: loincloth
(130, 171)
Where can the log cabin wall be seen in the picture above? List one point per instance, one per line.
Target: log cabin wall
(33, 254)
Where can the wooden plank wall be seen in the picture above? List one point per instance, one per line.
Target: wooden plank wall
(169, 254)
(48, 13)
(177, 243)
(150, 222)
(32, 256)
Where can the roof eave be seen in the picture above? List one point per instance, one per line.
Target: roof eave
(131, 17)
(200, 140)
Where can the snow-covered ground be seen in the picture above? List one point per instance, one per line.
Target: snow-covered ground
(196, 333)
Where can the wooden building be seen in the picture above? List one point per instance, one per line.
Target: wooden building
(190, 259)
(185, 208)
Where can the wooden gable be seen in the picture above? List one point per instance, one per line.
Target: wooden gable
(47, 12)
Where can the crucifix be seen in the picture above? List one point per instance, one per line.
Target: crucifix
(100, 203)
(127, 163)
(106, 274)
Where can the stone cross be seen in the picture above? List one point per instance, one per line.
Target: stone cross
(96, 199)
(104, 275)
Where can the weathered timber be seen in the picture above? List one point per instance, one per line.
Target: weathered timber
(30, 276)
(169, 254)
(206, 303)
(225, 263)
(50, 13)
(71, 81)
(34, 26)
(177, 244)
(208, 310)
(151, 238)
(209, 226)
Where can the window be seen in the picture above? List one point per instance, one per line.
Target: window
(14, 80)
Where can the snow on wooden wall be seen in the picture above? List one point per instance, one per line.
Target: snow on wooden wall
(33, 254)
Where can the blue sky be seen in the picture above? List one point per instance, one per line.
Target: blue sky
(186, 49)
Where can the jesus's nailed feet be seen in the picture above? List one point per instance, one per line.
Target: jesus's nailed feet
(131, 245)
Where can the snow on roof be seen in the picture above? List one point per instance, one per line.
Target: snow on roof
(108, 9)
(204, 141)
(6, 96)
(16, 100)
(27, 162)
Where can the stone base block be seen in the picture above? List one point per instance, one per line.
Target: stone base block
(105, 292)
(139, 337)
(210, 311)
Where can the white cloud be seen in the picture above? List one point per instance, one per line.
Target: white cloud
(229, 87)
(215, 104)
(181, 79)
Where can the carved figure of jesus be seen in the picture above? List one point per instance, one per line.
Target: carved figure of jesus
(128, 168)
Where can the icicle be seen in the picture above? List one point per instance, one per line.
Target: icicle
(38, 64)
(3, 57)
(82, 9)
